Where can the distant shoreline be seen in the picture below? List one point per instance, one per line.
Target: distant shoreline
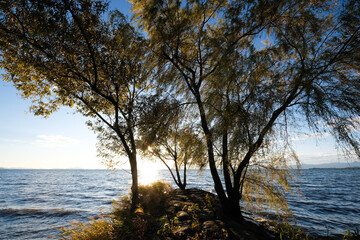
(97, 169)
(349, 168)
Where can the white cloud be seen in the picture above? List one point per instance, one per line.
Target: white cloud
(308, 136)
(327, 157)
(320, 154)
(320, 157)
(55, 141)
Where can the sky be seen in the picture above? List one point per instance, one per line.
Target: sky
(64, 141)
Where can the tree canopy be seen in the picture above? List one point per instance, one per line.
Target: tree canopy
(167, 134)
(246, 93)
(247, 71)
(65, 53)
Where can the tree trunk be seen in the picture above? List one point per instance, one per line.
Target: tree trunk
(232, 208)
(184, 175)
(210, 149)
(135, 183)
(178, 180)
(180, 184)
(226, 165)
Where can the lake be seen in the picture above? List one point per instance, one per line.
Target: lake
(34, 204)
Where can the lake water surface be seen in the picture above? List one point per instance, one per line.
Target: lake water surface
(34, 204)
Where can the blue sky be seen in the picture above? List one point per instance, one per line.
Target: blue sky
(60, 141)
(64, 141)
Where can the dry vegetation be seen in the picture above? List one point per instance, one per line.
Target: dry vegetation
(165, 213)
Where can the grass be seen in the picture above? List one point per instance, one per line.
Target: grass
(289, 232)
(122, 223)
(97, 229)
(151, 220)
(355, 235)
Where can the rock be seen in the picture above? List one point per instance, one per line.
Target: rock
(177, 204)
(182, 197)
(182, 215)
(206, 214)
(170, 210)
(210, 226)
(196, 218)
(182, 231)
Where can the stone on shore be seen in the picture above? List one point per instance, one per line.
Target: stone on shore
(196, 214)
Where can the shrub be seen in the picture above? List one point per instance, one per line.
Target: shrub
(141, 223)
(287, 231)
(355, 235)
(98, 229)
(122, 223)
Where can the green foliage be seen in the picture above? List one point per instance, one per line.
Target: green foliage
(268, 181)
(193, 211)
(98, 229)
(67, 53)
(193, 208)
(152, 200)
(141, 223)
(153, 197)
(289, 232)
(168, 226)
(205, 55)
(122, 222)
(167, 135)
(209, 201)
(351, 235)
(171, 226)
(246, 95)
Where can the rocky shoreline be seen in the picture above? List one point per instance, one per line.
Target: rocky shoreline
(165, 213)
(197, 213)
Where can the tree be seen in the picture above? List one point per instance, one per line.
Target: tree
(246, 96)
(168, 136)
(64, 53)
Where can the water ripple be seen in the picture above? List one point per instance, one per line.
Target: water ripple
(38, 202)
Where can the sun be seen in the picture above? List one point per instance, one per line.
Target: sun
(148, 172)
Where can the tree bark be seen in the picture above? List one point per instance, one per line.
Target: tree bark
(184, 175)
(135, 184)
(209, 143)
(226, 165)
(180, 184)
(232, 208)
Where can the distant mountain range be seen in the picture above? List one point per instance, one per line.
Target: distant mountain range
(332, 165)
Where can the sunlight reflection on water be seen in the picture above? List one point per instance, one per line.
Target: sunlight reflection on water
(41, 201)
